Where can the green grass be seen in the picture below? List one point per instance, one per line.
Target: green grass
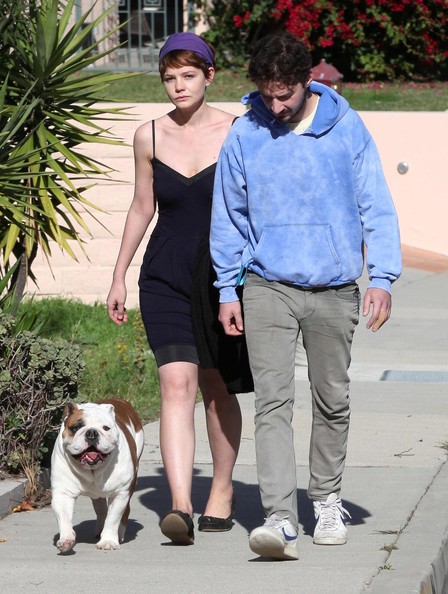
(230, 85)
(397, 97)
(118, 361)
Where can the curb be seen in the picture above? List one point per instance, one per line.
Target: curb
(419, 565)
(12, 491)
(11, 494)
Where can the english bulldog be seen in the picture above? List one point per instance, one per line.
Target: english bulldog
(96, 454)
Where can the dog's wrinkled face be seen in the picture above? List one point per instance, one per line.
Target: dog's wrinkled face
(90, 433)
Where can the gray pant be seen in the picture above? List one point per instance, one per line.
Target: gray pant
(274, 314)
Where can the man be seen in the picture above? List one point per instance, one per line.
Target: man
(299, 196)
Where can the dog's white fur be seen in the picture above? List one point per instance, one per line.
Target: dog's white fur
(96, 454)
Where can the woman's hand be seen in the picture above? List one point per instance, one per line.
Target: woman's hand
(115, 303)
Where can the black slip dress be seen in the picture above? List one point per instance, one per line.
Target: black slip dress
(178, 301)
(184, 211)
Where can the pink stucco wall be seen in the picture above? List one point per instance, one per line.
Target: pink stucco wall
(420, 195)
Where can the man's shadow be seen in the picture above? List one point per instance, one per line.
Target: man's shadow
(155, 495)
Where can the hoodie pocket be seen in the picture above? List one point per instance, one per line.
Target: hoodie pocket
(298, 254)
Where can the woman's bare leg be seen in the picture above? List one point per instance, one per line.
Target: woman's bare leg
(223, 418)
(178, 389)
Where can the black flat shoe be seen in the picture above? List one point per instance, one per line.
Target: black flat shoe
(178, 527)
(212, 524)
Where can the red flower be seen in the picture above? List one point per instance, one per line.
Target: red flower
(239, 21)
(326, 42)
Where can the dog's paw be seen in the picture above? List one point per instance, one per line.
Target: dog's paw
(65, 545)
(108, 545)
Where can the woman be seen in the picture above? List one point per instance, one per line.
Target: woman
(175, 159)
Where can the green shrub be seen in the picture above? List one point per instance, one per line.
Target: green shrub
(37, 377)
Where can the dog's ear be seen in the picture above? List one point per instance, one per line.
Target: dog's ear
(69, 409)
(109, 408)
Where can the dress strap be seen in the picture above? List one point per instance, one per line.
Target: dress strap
(153, 139)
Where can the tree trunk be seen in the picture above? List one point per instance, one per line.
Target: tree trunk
(21, 274)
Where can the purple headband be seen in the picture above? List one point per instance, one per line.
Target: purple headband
(187, 41)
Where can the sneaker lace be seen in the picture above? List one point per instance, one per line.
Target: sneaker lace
(330, 514)
(274, 521)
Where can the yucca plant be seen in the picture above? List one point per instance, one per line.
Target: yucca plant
(46, 112)
(15, 189)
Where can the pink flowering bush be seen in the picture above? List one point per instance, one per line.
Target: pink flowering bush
(365, 39)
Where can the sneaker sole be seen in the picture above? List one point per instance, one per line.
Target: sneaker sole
(330, 540)
(268, 546)
(174, 528)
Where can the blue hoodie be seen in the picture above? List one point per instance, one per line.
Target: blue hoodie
(299, 209)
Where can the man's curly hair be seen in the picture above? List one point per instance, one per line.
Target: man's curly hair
(279, 57)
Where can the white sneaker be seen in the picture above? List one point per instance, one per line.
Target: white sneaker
(277, 539)
(330, 528)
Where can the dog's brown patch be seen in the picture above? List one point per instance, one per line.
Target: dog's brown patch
(126, 415)
(72, 416)
(125, 411)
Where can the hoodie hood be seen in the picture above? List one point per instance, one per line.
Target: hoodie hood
(332, 108)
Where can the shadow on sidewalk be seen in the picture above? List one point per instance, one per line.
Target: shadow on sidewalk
(154, 495)
(249, 511)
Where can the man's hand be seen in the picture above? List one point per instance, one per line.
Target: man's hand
(381, 303)
(231, 318)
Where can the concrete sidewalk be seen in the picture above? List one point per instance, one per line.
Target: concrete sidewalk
(395, 487)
